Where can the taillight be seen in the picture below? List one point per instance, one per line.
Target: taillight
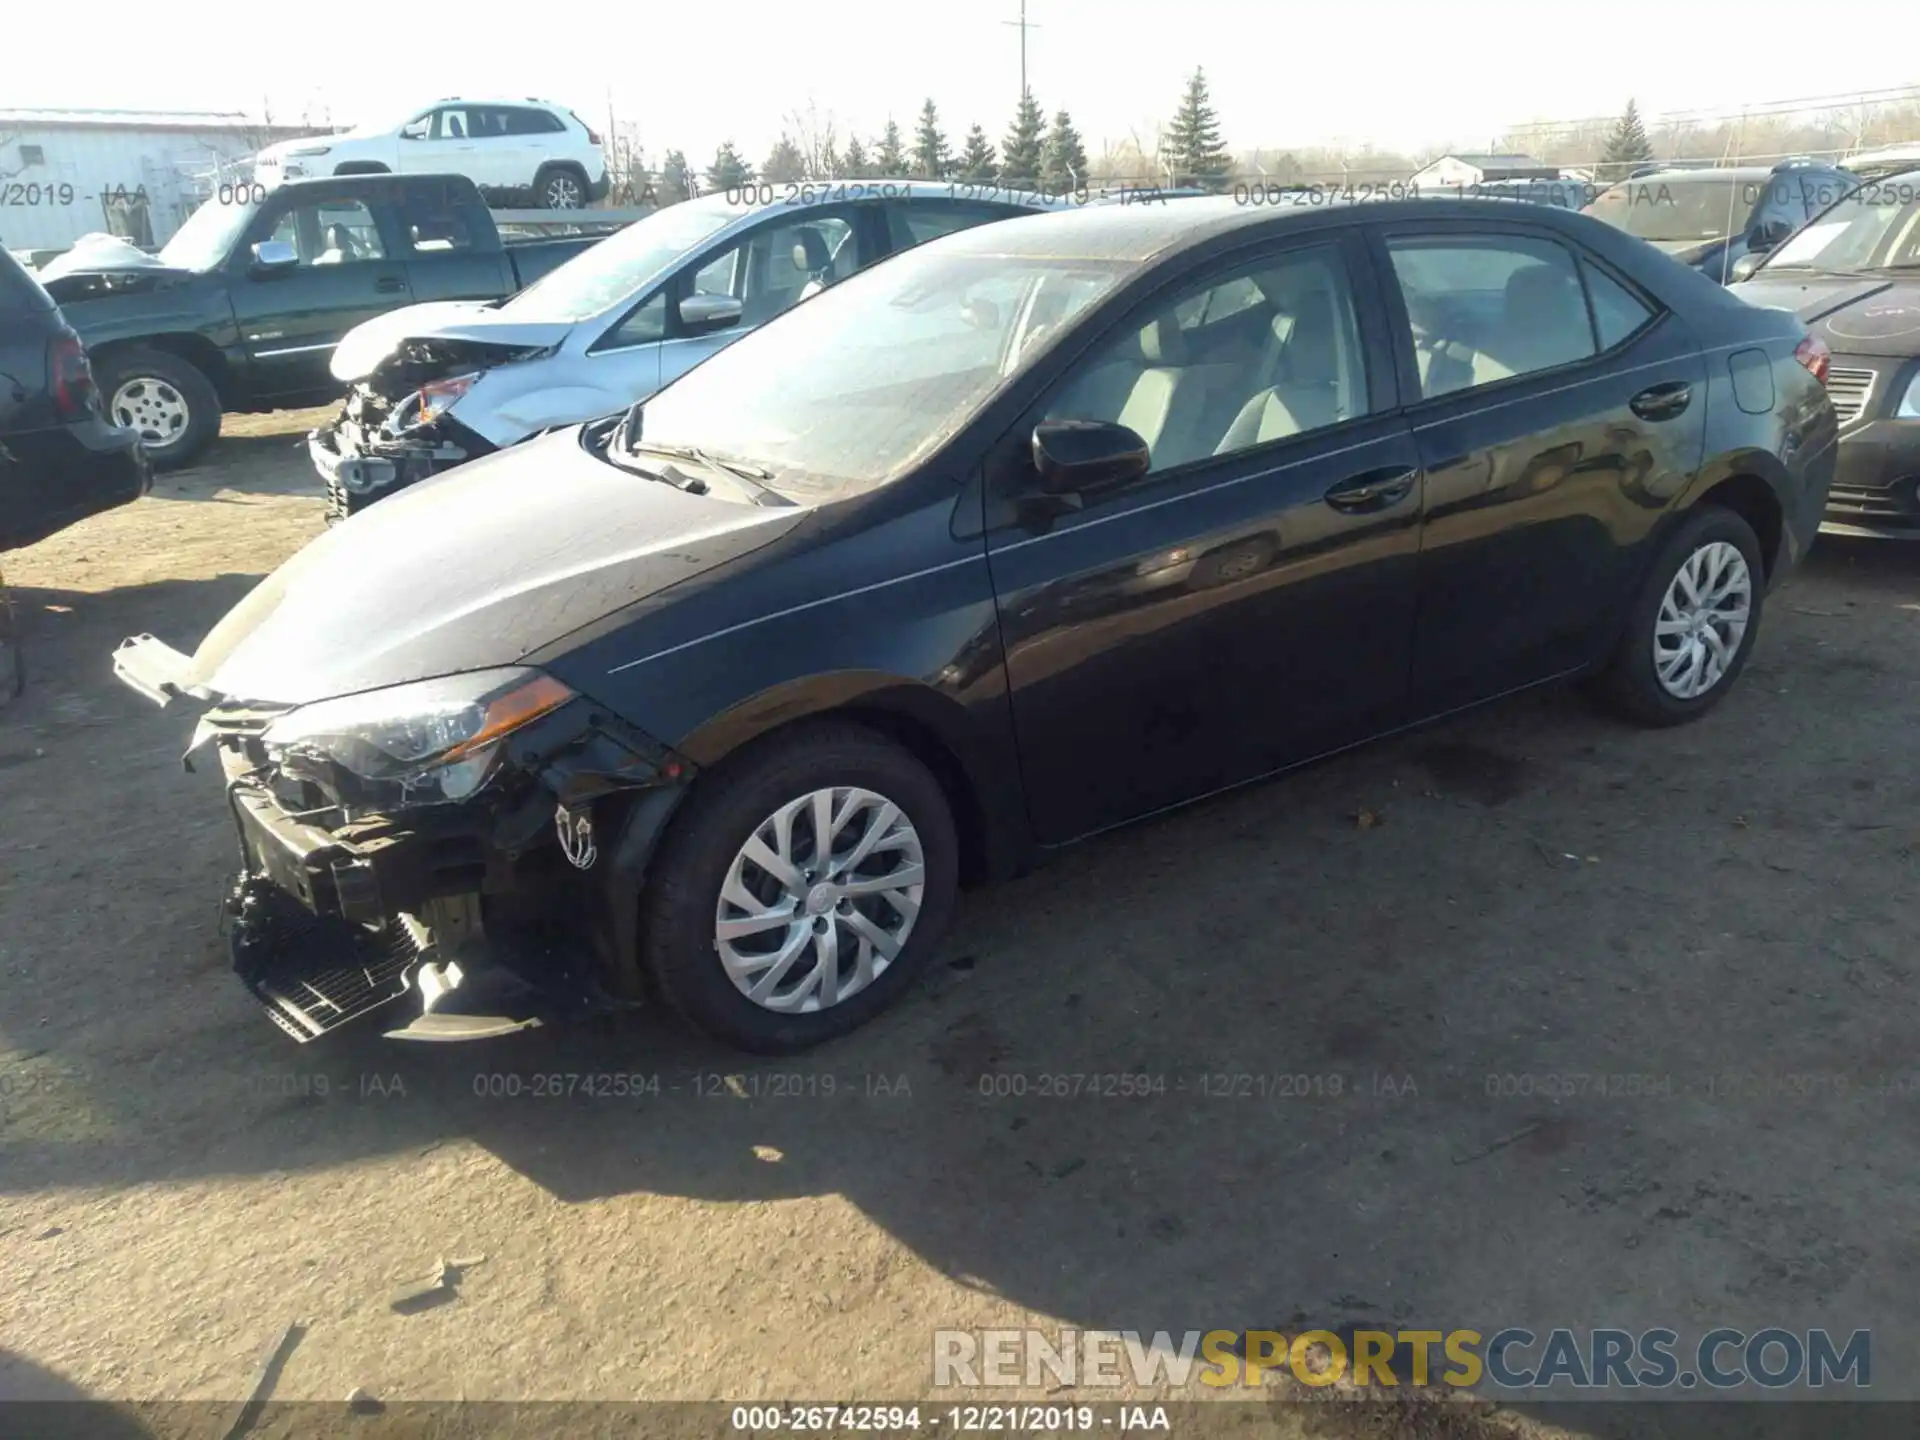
(74, 395)
(1812, 352)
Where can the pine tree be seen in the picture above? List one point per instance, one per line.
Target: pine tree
(976, 162)
(1063, 163)
(854, 164)
(1627, 147)
(931, 158)
(784, 164)
(1193, 144)
(728, 171)
(889, 156)
(1020, 151)
(677, 180)
(832, 167)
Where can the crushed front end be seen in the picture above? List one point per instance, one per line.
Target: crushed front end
(396, 427)
(462, 853)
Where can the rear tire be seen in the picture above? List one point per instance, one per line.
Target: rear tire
(705, 873)
(173, 406)
(1677, 658)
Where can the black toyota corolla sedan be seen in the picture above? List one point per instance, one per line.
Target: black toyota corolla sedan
(1026, 533)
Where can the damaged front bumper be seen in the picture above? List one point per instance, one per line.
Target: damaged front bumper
(360, 463)
(459, 920)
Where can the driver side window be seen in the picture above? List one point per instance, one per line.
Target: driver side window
(1261, 353)
(331, 232)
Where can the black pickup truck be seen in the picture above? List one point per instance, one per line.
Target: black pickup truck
(242, 308)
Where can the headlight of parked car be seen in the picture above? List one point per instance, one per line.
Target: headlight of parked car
(438, 396)
(1910, 402)
(415, 744)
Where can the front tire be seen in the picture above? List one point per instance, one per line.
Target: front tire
(172, 406)
(801, 890)
(1692, 625)
(560, 187)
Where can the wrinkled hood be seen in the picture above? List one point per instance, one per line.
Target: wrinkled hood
(101, 254)
(359, 354)
(1854, 314)
(472, 569)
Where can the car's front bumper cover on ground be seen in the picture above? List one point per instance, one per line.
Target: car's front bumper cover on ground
(470, 911)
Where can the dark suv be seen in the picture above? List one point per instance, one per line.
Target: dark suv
(1711, 219)
(60, 458)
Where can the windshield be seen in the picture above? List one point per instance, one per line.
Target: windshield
(210, 232)
(851, 388)
(609, 273)
(1876, 227)
(1678, 209)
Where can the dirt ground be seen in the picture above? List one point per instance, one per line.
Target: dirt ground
(1426, 932)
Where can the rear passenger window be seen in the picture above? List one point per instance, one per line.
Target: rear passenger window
(910, 224)
(1487, 308)
(1266, 352)
(1617, 311)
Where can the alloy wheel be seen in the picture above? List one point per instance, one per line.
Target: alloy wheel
(820, 899)
(152, 408)
(562, 192)
(1702, 621)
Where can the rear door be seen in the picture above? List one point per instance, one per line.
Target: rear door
(1248, 602)
(291, 320)
(448, 244)
(1558, 408)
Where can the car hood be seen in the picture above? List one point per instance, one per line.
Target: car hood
(1855, 314)
(365, 346)
(476, 568)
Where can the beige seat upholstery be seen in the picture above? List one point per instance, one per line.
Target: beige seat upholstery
(810, 253)
(1308, 391)
(1544, 324)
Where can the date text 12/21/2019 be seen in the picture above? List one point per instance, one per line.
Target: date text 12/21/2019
(18, 194)
(769, 1420)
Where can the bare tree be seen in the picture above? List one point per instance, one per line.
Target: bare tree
(817, 138)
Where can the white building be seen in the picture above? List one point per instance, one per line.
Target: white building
(138, 173)
(1451, 172)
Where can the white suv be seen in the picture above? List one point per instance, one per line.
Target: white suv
(511, 149)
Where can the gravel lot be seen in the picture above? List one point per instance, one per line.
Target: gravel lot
(1527, 893)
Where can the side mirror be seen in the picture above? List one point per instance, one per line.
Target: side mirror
(1082, 457)
(1744, 267)
(703, 314)
(273, 255)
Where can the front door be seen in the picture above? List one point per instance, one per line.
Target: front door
(1561, 409)
(1247, 603)
(767, 270)
(291, 319)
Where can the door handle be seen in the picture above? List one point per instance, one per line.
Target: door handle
(1373, 489)
(1662, 402)
(390, 284)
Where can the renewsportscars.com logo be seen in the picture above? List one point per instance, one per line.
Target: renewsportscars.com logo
(1510, 1359)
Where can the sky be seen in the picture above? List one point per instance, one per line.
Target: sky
(1400, 75)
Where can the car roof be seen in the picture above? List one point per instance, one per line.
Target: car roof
(1145, 231)
(797, 197)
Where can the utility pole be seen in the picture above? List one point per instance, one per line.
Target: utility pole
(1023, 26)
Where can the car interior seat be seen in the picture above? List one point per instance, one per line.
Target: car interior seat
(1311, 384)
(810, 253)
(340, 247)
(456, 128)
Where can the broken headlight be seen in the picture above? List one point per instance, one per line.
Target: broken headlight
(437, 397)
(414, 744)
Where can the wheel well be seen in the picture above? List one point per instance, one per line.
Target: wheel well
(1753, 500)
(203, 355)
(361, 167)
(924, 743)
(572, 166)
